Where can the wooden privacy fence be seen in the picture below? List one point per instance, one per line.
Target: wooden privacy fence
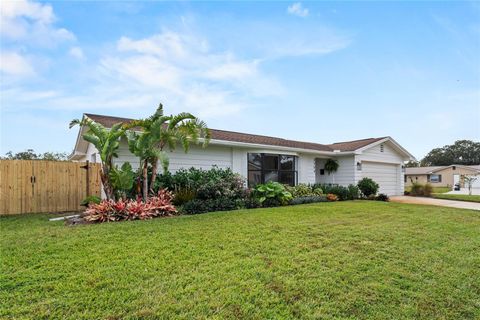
(28, 186)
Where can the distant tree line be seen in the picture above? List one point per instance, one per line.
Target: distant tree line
(30, 154)
(464, 152)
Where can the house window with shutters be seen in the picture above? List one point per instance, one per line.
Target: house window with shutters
(434, 178)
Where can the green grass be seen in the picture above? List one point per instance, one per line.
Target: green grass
(460, 197)
(435, 189)
(346, 260)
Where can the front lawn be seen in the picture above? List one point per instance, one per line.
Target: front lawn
(434, 189)
(460, 197)
(345, 260)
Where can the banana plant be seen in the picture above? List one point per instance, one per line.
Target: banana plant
(107, 142)
(122, 179)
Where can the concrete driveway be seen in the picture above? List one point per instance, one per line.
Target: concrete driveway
(436, 202)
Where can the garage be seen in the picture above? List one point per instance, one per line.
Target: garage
(385, 174)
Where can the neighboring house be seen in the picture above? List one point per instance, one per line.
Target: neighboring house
(262, 158)
(441, 176)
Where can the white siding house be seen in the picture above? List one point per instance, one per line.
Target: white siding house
(261, 158)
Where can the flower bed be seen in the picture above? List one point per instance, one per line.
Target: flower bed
(109, 210)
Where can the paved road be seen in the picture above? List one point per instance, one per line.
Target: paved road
(436, 202)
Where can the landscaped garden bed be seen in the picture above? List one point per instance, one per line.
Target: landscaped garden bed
(345, 260)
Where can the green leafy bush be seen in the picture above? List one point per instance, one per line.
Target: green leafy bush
(353, 192)
(122, 180)
(368, 187)
(90, 199)
(219, 189)
(343, 193)
(183, 195)
(308, 199)
(382, 197)
(271, 194)
(197, 206)
(303, 190)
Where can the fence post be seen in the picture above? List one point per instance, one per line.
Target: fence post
(87, 168)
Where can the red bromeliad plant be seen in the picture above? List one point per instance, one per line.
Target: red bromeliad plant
(109, 210)
(332, 197)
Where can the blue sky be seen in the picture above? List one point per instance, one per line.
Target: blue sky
(313, 71)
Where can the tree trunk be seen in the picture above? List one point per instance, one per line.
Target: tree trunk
(154, 175)
(145, 180)
(107, 187)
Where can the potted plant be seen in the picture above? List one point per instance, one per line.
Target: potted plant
(331, 166)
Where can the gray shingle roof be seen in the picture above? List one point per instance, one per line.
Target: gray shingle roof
(109, 121)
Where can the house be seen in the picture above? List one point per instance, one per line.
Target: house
(441, 176)
(262, 158)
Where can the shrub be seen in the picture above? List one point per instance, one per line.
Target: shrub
(198, 184)
(341, 192)
(332, 197)
(421, 190)
(304, 190)
(90, 199)
(308, 199)
(183, 195)
(368, 187)
(382, 197)
(427, 190)
(353, 192)
(197, 206)
(109, 210)
(271, 194)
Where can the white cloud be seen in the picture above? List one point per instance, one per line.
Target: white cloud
(77, 53)
(181, 69)
(31, 22)
(14, 64)
(177, 69)
(298, 10)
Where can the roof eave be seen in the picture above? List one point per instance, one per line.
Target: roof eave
(274, 147)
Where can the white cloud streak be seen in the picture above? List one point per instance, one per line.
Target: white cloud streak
(14, 64)
(297, 9)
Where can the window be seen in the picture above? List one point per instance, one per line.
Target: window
(264, 167)
(434, 178)
(322, 172)
(405, 178)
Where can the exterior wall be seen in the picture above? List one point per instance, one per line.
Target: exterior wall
(306, 168)
(447, 176)
(419, 178)
(220, 156)
(389, 155)
(91, 155)
(345, 174)
(196, 157)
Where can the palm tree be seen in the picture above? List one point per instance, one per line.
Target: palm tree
(160, 133)
(142, 146)
(107, 142)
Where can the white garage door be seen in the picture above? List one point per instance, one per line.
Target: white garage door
(385, 174)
